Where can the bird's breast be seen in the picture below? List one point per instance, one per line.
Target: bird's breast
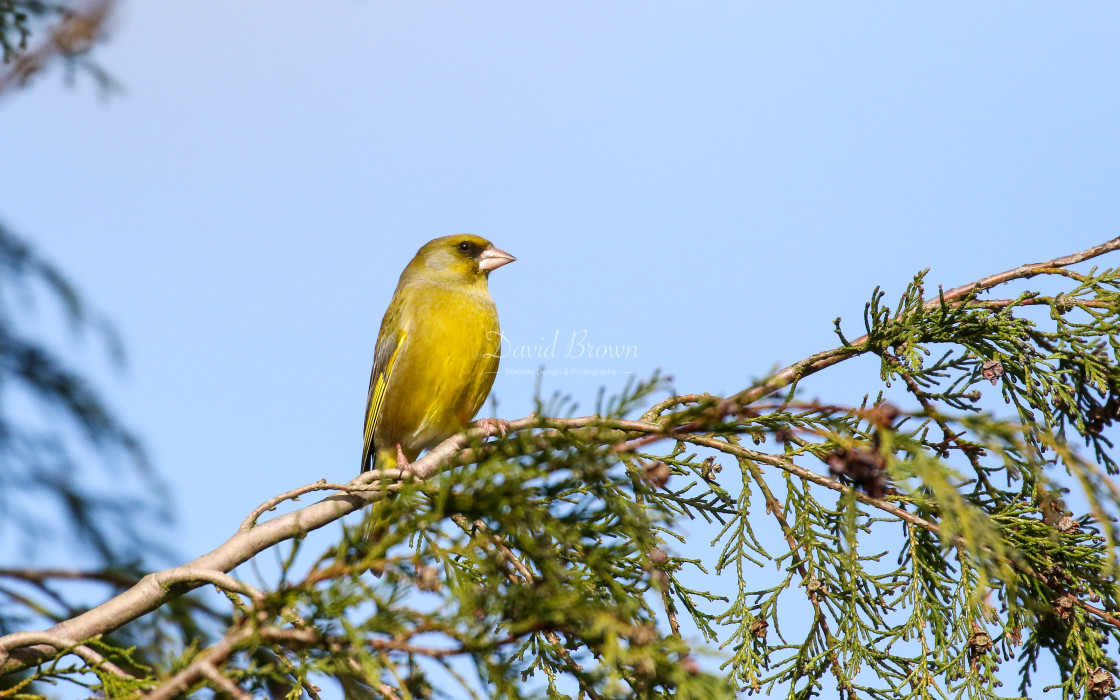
(446, 368)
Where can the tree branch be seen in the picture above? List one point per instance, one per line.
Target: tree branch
(184, 679)
(155, 589)
(62, 644)
(75, 34)
(18, 651)
(39, 576)
(823, 360)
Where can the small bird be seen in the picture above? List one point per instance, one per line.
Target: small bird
(437, 352)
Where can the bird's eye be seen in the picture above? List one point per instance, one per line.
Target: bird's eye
(465, 247)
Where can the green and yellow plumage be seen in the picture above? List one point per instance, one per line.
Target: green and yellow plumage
(437, 352)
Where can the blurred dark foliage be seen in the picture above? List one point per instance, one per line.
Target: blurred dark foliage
(76, 485)
(35, 35)
(19, 19)
(72, 475)
(41, 474)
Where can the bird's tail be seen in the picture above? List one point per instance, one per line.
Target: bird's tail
(378, 521)
(369, 458)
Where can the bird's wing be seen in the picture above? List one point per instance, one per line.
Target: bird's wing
(384, 358)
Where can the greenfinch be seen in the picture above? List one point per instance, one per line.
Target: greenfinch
(437, 352)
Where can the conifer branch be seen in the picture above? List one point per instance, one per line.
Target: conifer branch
(562, 561)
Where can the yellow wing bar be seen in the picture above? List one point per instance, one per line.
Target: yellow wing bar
(377, 399)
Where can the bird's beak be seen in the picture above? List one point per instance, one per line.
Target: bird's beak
(492, 258)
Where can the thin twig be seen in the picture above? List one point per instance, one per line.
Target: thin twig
(75, 33)
(89, 655)
(388, 691)
(775, 509)
(323, 485)
(1094, 610)
(525, 575)
(37, 607)
(828, 358)
(860, 496)
(223, 581)
(948, 436)
(41, 575)
(181, 682)
(674, 625)
(224, 684)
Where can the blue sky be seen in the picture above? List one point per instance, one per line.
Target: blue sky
(710, 183)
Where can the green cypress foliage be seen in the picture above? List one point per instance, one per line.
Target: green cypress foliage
(935, 537)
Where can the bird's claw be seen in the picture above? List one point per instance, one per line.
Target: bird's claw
(402, 461)
(492, 424)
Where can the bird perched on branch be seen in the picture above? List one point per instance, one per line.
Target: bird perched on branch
(437, 352)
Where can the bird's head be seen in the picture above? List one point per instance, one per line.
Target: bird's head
(460, 258)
